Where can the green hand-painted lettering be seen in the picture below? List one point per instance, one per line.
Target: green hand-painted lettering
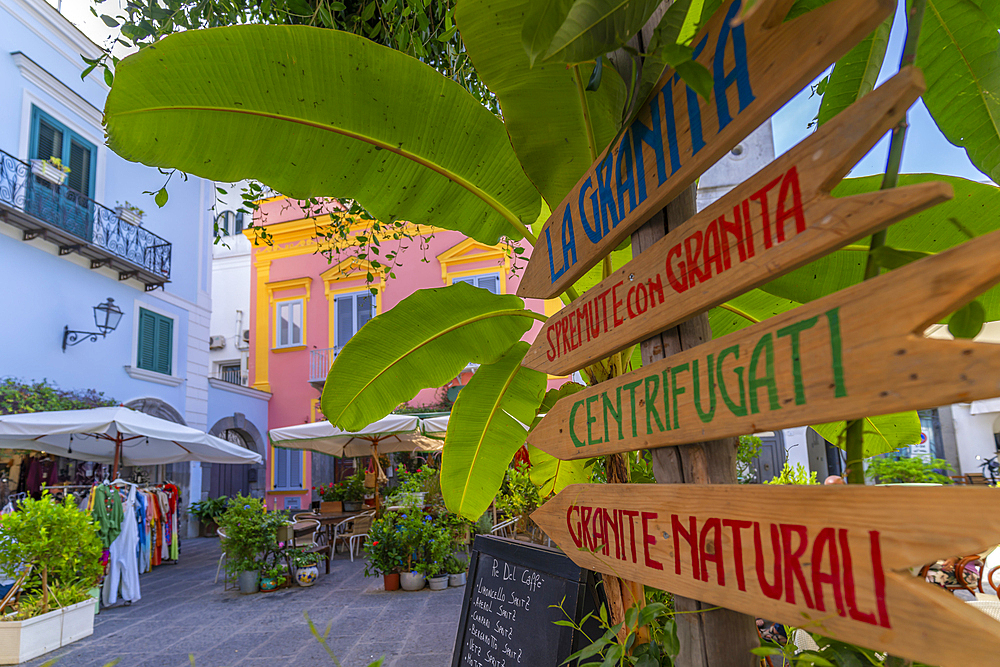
(666, 399)
(705, 417)
(793, 331)
(572, 420)
(739, 410)
(836, 352)
(630, 388)
(651, 404)
(674, 391)
(592, 420)
(764, 346)
(617, 414)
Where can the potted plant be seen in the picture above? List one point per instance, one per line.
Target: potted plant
(306, 568)
(58, 545)
(51, 170)
(436, 548)
(410, 535)
(384, 549)
(456, 571)
(129, 213)
(331, 498)
(250, 534)
(272, 577)
(208, 512)
(354, 492)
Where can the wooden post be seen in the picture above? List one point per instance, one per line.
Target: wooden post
(717, 638)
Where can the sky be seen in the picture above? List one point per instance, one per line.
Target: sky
(926, 150)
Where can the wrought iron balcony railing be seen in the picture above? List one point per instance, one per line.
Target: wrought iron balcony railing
(77, 223)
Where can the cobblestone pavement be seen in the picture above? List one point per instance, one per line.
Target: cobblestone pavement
(183, 612)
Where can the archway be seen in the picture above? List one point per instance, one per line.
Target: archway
(219, 479)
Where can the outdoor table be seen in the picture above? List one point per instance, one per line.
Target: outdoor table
(330, 520)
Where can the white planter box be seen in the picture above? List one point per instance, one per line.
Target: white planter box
(21, 641)
(78, 622)
(48, 171)
(128, 215)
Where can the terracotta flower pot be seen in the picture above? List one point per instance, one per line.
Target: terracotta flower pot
(391, 581)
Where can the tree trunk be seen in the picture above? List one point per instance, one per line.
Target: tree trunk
(717, 638)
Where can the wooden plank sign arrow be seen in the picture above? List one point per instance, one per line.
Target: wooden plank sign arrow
(757, 66)
(830, 559)
(780, 219)
(854, 353)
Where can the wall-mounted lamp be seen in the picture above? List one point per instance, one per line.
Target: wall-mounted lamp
(106, 317)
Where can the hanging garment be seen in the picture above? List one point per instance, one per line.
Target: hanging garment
(123, 567)
(142, 547)
(108, 514)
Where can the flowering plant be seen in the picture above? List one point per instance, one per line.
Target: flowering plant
(251, 533)
(58, 164)
(354, 487)
(330, 492)
(384, 546)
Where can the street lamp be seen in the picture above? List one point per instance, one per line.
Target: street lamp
(106, 317)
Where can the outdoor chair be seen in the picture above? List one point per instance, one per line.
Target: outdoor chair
(312, 541)
(506, 528)
(358, 532)
(976, 478)
(222, 559)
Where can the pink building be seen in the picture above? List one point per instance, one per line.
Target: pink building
(306, 307)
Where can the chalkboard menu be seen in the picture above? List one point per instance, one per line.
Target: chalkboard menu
(508, 614)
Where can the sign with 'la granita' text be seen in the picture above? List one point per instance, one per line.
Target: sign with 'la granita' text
(857, 352)
(779, 219)
(756, 66)
(830, 559)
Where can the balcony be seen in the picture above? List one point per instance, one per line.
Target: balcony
(77, 223)
(319, 365)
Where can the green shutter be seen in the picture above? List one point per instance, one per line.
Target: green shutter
(79, 165)
(147, 340)
(156, 342)
(164, 344)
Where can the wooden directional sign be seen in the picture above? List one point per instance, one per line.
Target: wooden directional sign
(854, 353)
(780, 219)
(830, 559)
(757, 66)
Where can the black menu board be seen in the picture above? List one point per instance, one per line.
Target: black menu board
(508, 614)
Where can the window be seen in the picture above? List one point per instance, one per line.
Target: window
(50, 138)
(288, 323)
(489, 281)
(352, 311)
(156, 342)
(287, 468)
(230, 373)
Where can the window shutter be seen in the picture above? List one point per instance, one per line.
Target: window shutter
(280, 468)
(366, 309)
(345, 319)
(295, 469)
(164, 344)
(79, 166)
(147, 340)
(490, 283)
(296, 319)
(50, 141)
(467, 281)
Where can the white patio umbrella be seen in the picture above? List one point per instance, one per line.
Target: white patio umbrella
(117, 435)
(392, 433)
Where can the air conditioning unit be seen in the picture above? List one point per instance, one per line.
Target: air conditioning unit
(246, 335)
(216, 342)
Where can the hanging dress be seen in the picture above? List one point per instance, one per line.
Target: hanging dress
(124, 564)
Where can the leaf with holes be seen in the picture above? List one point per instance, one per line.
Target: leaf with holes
(856, 73)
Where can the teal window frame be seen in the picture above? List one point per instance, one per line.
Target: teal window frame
(68, 136)
(155, 342)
